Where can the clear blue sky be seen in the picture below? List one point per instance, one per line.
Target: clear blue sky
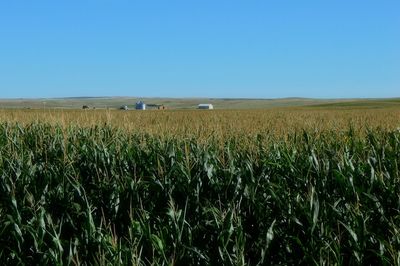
(207, 48)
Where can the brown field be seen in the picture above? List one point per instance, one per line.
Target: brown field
(217, 123)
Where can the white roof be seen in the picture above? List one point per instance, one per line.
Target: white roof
(205, 104)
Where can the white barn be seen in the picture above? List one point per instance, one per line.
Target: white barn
(208, 106)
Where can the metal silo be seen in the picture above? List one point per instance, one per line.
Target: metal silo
(140, 105)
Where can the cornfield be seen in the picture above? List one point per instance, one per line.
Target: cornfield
(200, 188)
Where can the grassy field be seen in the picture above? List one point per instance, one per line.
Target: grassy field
(361, 104)
(314, 185)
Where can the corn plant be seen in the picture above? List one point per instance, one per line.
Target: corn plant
(74, 195)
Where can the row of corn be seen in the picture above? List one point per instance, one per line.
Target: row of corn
(100, 195)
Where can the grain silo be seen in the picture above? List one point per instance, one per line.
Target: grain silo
(140, 105)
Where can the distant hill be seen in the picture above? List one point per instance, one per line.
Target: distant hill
(191, 103)
(361, 103)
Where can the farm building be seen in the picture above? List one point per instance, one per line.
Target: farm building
(155, 106)
(140, 105)
(205, 106)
